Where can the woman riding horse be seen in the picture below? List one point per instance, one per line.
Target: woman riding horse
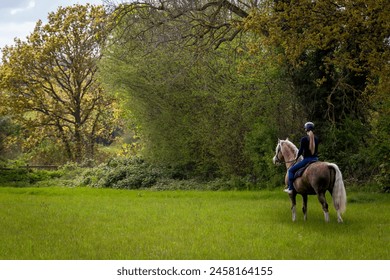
(308, 149)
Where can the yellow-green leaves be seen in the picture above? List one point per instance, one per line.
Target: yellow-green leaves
(53, 74)
(357, 31)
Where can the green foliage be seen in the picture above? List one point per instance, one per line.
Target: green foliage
(9, 133)
(47, 152)
(195, 111)
(379, 146)
(21, 177)
(135, 173)
(337, 56)
(258, 143)
(122, 174)
(14, 175)
(343, 144)
(352, 34)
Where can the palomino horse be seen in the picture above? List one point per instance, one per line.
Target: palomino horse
(318, 178)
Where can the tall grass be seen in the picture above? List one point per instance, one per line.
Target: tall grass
(85, 223)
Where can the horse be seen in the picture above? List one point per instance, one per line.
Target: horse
(317, 178)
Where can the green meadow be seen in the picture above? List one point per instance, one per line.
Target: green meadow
(86, 223)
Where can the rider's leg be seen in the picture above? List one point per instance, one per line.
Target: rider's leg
(292, 170)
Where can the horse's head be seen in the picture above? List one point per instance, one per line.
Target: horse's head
(285, 152)
(278, 158)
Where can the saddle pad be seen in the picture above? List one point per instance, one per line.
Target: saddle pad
(301, 170)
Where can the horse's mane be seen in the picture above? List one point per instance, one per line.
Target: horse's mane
(291, 146)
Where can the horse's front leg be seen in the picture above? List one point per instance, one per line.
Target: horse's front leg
(293, 206)
(304, 207)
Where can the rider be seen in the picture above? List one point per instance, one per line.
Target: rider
(308, 149)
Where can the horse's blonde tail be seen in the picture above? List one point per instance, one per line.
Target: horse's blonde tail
(339, 194)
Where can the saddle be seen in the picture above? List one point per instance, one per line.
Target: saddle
(302, 169)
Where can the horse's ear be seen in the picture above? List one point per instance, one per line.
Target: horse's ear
(278, 140)
(287, 139)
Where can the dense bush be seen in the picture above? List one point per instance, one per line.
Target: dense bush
(24, 176)
(122, 173)
(136, 173)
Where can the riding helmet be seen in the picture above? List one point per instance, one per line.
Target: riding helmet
(309, 126)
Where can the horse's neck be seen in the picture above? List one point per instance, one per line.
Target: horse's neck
(290, 153)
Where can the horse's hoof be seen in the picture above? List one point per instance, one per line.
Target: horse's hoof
(326, 214)
(339, 219)
(294, 218)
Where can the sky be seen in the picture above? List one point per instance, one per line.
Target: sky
(18, 17)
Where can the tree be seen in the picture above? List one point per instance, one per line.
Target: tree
(340, 47)
(50, 80)
(337, 55)
(200, 109)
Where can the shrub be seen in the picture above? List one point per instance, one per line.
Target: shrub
(14, 175)
(122, 173)
(23, 176)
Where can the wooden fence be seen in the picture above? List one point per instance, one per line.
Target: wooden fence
(43, 167)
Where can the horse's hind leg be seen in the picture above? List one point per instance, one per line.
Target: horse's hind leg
(322, 200)
(304, 207)
(339, 219)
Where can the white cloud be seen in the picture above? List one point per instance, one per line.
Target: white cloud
(11, 4)
(30, 5)
(15, 30)
(18, 17)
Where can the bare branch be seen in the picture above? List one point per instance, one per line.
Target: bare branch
(202, 24)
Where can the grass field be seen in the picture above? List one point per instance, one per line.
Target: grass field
(85, 223)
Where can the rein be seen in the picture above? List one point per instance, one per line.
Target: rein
(294, 160)
(280, 161)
